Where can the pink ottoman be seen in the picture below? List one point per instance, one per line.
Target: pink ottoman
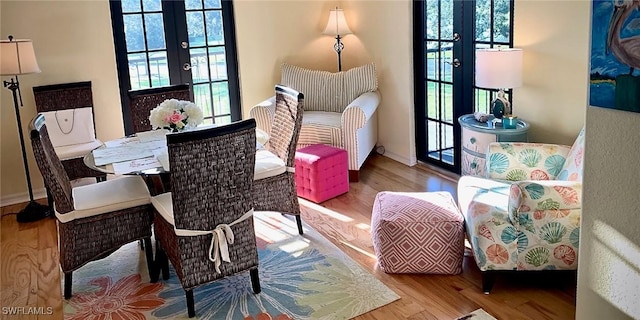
(417, 232)
(322, 172)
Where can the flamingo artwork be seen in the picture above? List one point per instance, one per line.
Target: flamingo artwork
(625, 50)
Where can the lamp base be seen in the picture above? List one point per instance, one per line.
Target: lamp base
(33, 212)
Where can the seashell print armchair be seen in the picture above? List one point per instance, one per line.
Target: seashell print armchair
(525, 215)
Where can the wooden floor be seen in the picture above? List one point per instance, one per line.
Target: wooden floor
(30, 273)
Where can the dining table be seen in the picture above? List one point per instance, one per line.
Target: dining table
(144, 154)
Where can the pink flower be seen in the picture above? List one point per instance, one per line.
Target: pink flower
(174, 118)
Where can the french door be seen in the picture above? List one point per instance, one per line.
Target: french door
(163, 42)
(446, 35)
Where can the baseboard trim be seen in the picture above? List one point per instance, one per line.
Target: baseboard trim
(16, 198)
(402, 159)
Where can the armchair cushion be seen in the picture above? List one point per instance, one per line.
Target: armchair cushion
(525, 161)
(321, 127)
(327, 91)
(572, 169)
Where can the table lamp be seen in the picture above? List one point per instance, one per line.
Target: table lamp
(337, 26)
(16, 58)
(499, 68)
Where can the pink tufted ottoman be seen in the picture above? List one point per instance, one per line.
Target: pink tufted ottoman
(417, 232)
(322, 172)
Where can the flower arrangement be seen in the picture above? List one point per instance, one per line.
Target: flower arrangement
(175, 115)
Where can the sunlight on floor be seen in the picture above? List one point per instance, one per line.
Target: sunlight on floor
(324, 210)
(366, 253)
(274, 227)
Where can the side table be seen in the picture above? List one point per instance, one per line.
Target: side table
(476, 137)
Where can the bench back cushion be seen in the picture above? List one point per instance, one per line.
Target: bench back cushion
(327, 91)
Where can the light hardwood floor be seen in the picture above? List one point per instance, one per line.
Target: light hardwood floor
(30, 273)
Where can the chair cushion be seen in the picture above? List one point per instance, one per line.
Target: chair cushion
(320, 127)
(76, 150)
(327, 91)
(572, 169)
(268, 165)
(108, 196)
(164, 206)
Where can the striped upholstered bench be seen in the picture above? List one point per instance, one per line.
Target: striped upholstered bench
(417, 232)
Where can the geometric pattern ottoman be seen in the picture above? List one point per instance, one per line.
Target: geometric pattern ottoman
(322, 172)
(417, 232)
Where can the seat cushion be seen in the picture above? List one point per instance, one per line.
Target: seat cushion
(268, 165)
(108, 196)
(77, 150)
(327, 91)
(164, 206)
(320, 127)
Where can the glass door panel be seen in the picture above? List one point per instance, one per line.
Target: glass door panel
(159, 43)
(444, 58)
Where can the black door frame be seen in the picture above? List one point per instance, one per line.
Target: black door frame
(175, 28)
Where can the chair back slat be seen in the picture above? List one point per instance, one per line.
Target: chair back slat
(212, 174)
(63, 96)
(55, 177)
(287, 122)
(141, 102)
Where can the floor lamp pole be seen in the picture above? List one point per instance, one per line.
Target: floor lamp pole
(338, 47)
(33, 211)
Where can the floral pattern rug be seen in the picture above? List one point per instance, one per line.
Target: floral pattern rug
(302, 277)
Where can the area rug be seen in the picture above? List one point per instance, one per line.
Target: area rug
(302, 277)
(477, 315)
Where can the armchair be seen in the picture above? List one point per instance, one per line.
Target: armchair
(525, 215)
(340, 110)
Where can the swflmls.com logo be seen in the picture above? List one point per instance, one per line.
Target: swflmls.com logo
(27, 310)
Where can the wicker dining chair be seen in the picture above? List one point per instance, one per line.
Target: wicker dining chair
(93, 220)
(141, 102)
(66, 96)
(211, 203)
(275, 185)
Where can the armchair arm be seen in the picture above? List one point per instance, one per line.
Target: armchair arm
(263, 113)
(525, 161)
(359, 124)
(534, 204)
(360, 110)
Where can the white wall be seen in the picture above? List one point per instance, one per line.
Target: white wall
(73, 42)
(609, 260)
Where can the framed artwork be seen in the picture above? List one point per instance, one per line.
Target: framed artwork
(615, 55)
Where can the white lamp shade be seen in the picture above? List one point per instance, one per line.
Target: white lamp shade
(337, 24)
(17, 57)
(499, 68)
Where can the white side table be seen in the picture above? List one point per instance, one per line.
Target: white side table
(476, 137)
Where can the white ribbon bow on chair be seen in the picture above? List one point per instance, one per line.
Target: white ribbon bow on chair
(222, 237)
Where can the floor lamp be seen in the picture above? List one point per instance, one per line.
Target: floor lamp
(337, 26)
(17, 58)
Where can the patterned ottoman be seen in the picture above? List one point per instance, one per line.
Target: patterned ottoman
(417, 232)
(322, 172)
